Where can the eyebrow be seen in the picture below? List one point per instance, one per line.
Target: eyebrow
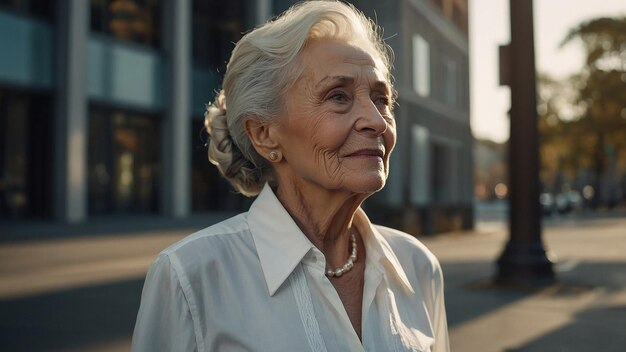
(342, 79)
(349, 80)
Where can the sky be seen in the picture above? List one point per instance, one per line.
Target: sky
(489, 28)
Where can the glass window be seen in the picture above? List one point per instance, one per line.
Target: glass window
(43, 9)
(217, 26)
(421, 66)
(420, 164)
(25, 155)
(451, 81)
(123, 162)
(280, 6)
(136, 21)
(440, 172)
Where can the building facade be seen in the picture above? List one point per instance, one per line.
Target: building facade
(430, 187)
(102, 102)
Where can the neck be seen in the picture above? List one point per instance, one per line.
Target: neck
(324, 216)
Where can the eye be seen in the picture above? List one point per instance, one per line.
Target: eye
(382, 101)
(338, 97)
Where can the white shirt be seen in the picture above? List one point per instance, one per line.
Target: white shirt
(256, 283)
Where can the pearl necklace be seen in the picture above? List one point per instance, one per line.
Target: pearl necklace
(348, 265)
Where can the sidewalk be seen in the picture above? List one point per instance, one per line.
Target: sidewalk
(585, 312)
(82, 292)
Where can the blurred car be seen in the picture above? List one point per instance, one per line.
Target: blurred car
(574, 199)
(561, 203)
(548, 205)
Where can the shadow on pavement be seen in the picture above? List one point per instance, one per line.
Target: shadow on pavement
(595, 329)
(99, 314)
(608, 275)
(119, 225)
(469, 293)
(71, 318)
(597, 323)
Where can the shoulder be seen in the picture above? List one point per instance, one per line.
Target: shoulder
(228, 229)
(210, 245)
(409, 249)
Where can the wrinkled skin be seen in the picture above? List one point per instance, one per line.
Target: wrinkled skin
(335, 138)
(337, 118)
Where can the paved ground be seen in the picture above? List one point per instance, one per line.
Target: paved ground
(586, 311)
(82, 292)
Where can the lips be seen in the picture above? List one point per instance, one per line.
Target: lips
(368, 152)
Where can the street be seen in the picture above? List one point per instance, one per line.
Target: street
(82, 292)
(586, 311)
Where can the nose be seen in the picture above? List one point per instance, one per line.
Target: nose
(370, 120)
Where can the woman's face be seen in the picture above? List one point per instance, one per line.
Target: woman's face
(337, 131)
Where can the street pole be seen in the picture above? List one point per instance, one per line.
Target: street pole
(523, 263)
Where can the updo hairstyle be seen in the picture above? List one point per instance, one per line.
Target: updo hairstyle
(263, 66)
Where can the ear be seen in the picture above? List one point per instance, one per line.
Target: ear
(261, 134)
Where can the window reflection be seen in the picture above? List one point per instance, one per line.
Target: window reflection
(123, 163)
(217, 25)
(13, 179)
(42, 9)
(132, 20)
(25, 155)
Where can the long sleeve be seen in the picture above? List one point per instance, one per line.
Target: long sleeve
(440, 323)
(164, 321)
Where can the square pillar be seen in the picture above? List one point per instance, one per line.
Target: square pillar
(70, 125)
(176, 129)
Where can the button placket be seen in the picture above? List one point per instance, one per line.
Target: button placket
(305, 308)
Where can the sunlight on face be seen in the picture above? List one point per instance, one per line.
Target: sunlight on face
(338, 131)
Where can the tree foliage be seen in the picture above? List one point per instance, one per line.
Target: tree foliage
(604, 39)
(583, 119)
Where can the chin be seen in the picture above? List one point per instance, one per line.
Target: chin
(362, 184)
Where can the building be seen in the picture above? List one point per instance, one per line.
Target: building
(490, 170)
(430, 187)
(102, 101)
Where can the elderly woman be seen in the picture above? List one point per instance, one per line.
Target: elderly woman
(305, 122)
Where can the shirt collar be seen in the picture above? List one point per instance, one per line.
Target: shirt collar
(379, 251)
(280, 243)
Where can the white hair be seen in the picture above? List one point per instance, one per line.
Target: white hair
(263, 66)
